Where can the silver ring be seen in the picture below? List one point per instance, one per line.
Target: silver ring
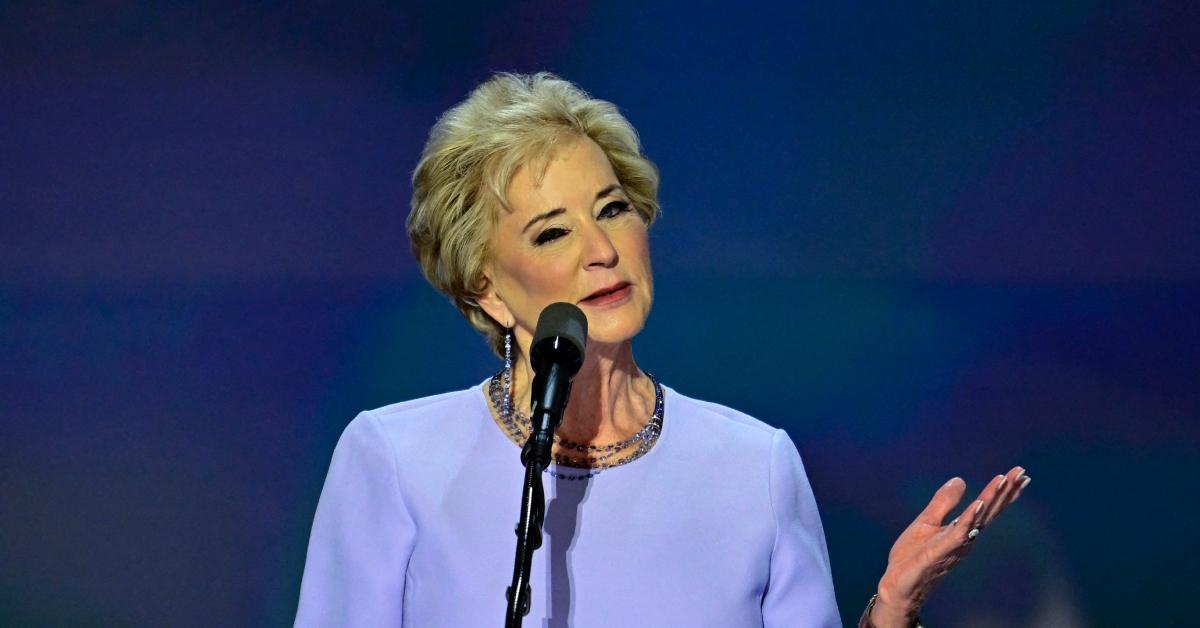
(972, 534)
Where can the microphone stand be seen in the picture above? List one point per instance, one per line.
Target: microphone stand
(529, 538)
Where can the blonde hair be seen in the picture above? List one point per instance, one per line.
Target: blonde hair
(473, 152)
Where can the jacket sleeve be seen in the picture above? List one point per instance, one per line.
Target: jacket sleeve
(800, 587)
(362, 536)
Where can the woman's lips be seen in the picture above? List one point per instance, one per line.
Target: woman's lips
(609, 296)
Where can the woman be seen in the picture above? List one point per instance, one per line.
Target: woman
(662, 510)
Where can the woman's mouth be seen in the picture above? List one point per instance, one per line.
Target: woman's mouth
(609, 295)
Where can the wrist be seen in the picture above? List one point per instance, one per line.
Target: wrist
(884, 616)
(887, 611)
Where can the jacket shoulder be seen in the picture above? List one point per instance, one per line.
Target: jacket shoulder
(441, 413)
(720, 426)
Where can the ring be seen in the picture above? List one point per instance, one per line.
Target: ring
(972, 534)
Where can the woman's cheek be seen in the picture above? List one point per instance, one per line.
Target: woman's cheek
(551, 281)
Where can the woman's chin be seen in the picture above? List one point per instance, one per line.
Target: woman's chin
(612, 336)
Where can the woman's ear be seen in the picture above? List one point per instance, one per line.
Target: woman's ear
(492, 304)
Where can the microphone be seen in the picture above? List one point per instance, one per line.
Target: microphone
(555, 355)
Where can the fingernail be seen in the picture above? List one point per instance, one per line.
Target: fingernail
(978, 506)
(1003, 479)
(1026, 481)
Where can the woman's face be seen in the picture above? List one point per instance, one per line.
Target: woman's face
(575, 237)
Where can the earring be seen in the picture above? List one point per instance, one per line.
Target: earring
(506, 410)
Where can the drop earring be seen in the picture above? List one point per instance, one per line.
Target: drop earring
(506, 409)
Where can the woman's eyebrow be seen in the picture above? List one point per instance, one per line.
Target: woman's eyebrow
(609, 189)
(542, 216)
(605, 191)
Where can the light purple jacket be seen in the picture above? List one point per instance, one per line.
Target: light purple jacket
(714, 526)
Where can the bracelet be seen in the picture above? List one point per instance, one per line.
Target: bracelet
(865, 620)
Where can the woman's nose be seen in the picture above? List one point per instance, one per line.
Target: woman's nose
(600, 249)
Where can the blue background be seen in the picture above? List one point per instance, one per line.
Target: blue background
(928, 240)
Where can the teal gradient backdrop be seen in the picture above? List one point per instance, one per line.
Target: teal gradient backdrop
(926, 240)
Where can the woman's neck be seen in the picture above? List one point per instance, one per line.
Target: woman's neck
(611, 399)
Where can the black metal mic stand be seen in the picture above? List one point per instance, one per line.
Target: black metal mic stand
(536, 455)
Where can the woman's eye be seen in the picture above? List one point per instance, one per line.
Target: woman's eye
(549, 235)
(614, 208)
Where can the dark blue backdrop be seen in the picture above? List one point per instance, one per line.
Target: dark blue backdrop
(927, 240)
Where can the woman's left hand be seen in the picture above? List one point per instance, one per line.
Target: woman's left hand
(928, 549)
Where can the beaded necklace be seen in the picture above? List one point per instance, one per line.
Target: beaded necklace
(599, 457)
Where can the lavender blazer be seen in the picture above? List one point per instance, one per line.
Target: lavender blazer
(714, 526)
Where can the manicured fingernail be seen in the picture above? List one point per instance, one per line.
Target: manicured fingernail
(1026, 481)
(1003, 479)
(978, 506)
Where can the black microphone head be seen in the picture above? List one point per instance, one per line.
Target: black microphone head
(561, 336)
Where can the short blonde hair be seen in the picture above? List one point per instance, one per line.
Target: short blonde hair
(473, 152)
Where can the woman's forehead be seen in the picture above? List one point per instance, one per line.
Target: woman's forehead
(570, 174)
